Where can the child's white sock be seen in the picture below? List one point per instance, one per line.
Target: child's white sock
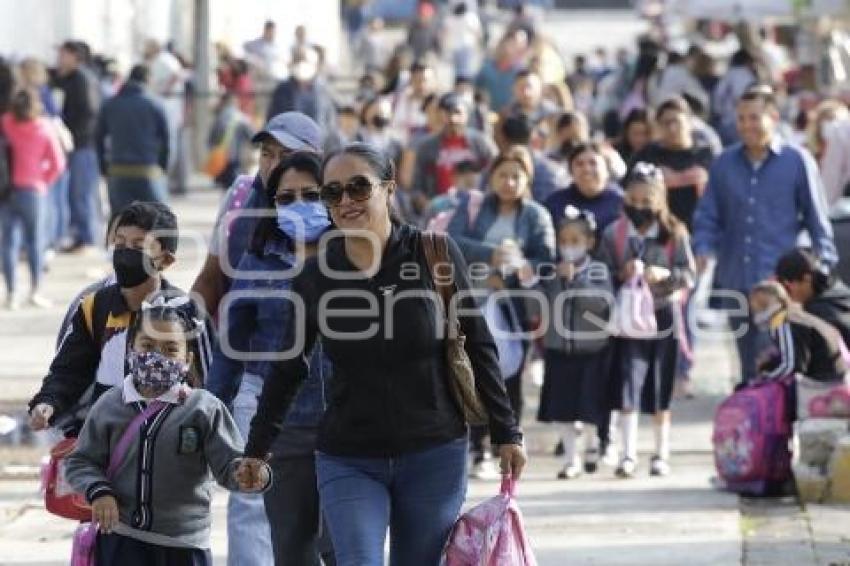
(570, 431)
(630, 434)
(662, 439)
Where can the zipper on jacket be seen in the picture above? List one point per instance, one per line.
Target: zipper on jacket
(383, 350)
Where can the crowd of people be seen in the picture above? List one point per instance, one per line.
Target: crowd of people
(581, 210)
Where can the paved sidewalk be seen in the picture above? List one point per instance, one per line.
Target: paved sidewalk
(597, 520)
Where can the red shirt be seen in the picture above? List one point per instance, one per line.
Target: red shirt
(453, 150)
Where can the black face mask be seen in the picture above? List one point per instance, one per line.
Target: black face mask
(380, 122)
(132, 267)
(639, 216)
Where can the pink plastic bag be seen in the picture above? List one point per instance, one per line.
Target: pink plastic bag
(82, 551)
(491, 534)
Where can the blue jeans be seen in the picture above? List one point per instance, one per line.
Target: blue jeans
(417, 496)
(82, 189)
(58, 211)
(125, 190)
(249, 540)
(26, 208)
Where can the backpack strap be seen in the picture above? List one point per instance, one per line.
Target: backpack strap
(621, 234)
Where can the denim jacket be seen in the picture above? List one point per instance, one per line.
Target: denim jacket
(534, 231)
(257, 324)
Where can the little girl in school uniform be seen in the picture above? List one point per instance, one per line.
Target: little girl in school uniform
(579, 298)
(153, 504)
(648, 239)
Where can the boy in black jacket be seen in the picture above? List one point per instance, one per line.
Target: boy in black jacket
(92, 351)
(811, 284)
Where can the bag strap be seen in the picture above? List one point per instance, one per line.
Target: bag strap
(620, 237)
(508, 488)
(129, 435)
(436, 247)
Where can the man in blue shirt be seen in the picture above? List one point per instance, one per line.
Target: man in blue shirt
(762, 193)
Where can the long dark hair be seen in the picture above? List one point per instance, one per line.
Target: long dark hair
(380, 162)
(302, 161)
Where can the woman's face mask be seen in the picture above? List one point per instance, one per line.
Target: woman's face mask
(303, 221)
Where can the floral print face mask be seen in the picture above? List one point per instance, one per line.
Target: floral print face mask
(156, 372)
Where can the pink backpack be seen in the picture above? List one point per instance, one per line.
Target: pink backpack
(491, 534)
(751, 435)
(440, 223)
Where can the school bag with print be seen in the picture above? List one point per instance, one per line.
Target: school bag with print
(491, 534)
(634, 315)
(751, 438)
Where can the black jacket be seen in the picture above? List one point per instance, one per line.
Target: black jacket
(390, 393)
(91, 355)
(81, 105)
(833, 306)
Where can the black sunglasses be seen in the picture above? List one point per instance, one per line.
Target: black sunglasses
(358, 188)
(307, 194)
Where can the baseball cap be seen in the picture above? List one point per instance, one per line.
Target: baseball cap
(293, 130)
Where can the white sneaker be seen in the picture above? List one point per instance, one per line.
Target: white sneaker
(659, 467)
(570, 472)
(611, 457)
(39, 302)
(626, 469)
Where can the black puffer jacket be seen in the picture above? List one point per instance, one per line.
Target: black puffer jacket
(390, 393)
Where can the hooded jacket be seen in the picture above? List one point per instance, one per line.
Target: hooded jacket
(390, 393)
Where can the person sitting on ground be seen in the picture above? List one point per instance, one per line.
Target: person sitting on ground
(92, 354)
(152, 502)
(812, 284)
(801, 342)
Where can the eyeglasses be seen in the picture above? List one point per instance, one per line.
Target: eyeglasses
(307, 194)
(358, 189)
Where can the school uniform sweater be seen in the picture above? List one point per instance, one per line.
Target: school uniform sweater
(164, 482)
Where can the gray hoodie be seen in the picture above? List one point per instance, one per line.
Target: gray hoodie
(164, 482)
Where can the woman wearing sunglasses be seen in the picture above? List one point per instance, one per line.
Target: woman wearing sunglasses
(392, 448)
(294, 220)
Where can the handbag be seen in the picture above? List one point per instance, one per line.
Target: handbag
(461, 375)
(82, 549)
(635, 312)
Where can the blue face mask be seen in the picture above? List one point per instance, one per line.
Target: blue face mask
(303, 221)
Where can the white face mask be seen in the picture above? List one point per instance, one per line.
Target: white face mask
(572, 254)
(762, 318)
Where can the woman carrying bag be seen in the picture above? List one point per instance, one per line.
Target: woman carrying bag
(392, 446)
